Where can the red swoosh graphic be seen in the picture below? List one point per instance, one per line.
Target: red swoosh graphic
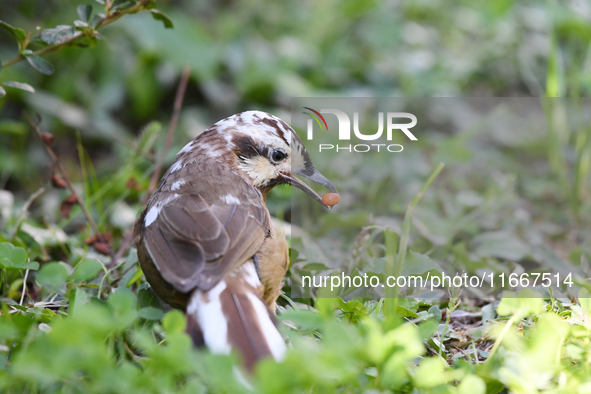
(321, 117)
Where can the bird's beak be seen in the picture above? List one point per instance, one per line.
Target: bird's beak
(317, 177)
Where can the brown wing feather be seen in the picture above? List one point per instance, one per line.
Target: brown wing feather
(197, 238)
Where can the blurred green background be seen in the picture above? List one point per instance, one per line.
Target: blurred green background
(258, 54)
(503, 199)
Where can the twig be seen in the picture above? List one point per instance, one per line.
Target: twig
(140, 6)
(122, 248)
(66, 178)
(24, 287)
(123, 274)
(464, 353)
(24, 211)
(178, 104)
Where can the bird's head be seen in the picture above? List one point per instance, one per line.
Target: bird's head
(269, 152)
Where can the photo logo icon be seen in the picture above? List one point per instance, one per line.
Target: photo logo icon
(392, 123)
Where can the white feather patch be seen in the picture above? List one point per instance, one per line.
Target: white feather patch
(250, 123)
(230, 199)
(176, 166)
(177, 185)
(152, 214)
(249, 273)
(171, 198)
(222, 124)
(156, 208)
(214, 325)
(213, 152)
(272, 336)
(186, 148)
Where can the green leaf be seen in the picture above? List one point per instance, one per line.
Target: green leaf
(161, 16)
(472, 384)
(39, 64)
(501, 244)
(13, 257)
(52, 276)
(174, 322)
(78, 299)
(84, 12)
(147, 297)
(430, 373)
(2, 92)
(123, 303)
(405, 312)
(96, 20)
(86, 270)
(417, 264)
(19, 34)
(150, 313)
(428, 327)
(138, 274)
(19, 85)
(353, 310)
(58, 34)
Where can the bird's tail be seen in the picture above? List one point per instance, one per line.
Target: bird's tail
(232, 316)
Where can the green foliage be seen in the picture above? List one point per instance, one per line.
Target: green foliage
(12, 257)
(71, 321)
(82, 33)
(108, 346)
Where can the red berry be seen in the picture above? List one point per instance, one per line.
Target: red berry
(331, 199)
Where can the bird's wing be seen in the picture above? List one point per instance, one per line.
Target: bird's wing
(200, 232)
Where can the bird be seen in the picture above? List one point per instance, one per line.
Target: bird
(205, 240)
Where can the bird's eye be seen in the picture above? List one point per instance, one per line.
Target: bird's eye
(278, 155)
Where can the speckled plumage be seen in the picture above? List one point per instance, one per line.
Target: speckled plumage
(207, 227)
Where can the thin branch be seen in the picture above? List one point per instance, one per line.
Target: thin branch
(140, 6)
(66, 178)
(178, 104)
(122, 274)
(122, 248)
(24, 287)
